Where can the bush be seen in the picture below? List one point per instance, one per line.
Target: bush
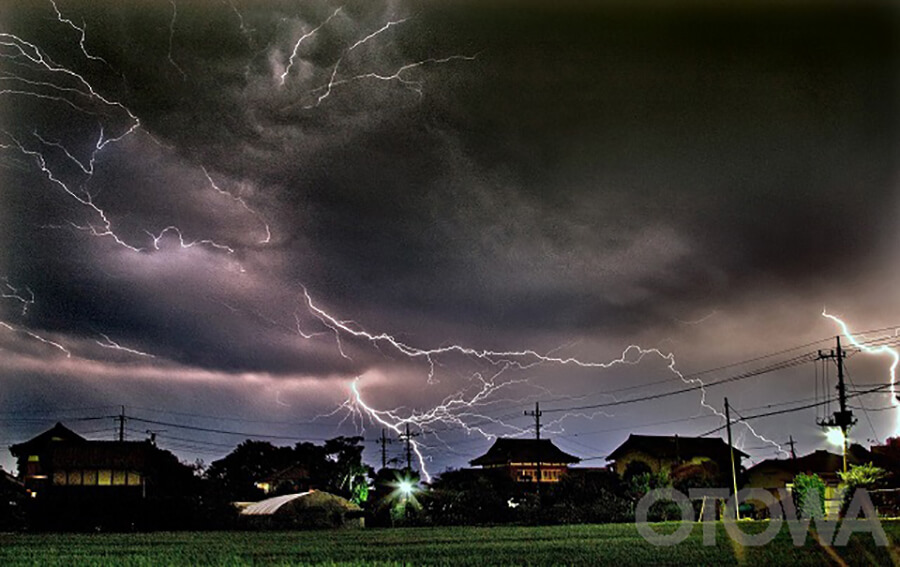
(809, 496)
(859, 476)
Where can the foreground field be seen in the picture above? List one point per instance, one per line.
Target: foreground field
(618, 544)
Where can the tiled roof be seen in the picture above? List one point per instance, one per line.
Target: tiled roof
(506, 450)
(674, 447)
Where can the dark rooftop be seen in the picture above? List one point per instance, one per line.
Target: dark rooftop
(505, 450)
(674, 447)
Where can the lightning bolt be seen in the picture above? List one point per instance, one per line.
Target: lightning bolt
(172, 39)
(13, 292)
(879, 350)
(417, 86)
(81, 30)
(111, 344)
(245, 31)
(36, 337)
(242, 203)
(80, 87)
(85, 200)
(447, 411)
(304, 37)
(181, 241)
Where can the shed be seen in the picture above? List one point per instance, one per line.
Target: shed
(304, 510)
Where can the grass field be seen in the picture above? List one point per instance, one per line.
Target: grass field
(618, 544)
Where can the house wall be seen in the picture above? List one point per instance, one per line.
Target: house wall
(527, 472)
(654, 463)
(657, 464)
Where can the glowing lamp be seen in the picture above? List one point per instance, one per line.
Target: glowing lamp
(835, 436)
(406, 487)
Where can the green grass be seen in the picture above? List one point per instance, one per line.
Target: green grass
(618, 544)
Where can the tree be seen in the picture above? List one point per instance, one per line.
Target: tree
(859, 476)
(348, 476)
(595, 496)
(235, 476)
(334, 467)
(472, 497)
(809, 496)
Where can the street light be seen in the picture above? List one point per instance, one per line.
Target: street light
(406, 487)
(835, 436)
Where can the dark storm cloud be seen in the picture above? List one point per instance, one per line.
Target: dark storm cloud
(575, 172)
(591, 168)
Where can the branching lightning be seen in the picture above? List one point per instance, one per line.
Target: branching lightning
(416, 86)
(81, 30)
(185, 244)
(240, 200)
(464, 410)
(877, 350)
(448, 412)
(304, 37)
(8, 291)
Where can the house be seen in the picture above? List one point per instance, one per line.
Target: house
(664, 452)
(59, 460)
(773, 474)
(293, 479)
(522, 458)
(73, 481)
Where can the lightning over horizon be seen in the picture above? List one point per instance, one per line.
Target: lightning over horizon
(392, 215)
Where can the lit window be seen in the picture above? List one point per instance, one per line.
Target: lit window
(90, 478)
(134, 478)
(118, 478)
(34, 459)
(104, 477)
(74, 478)
(59, 478)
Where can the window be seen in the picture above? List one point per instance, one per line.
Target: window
(74, 478)
(104, 477)
(34, 459)
(134, 478)
(90, 478)
(118, 478)
(59, 478)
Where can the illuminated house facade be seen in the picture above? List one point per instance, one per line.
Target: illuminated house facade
(74, 482)
(521, 459)
(59, 460)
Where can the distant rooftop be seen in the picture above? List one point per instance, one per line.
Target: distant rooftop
(673, 446)
(505, 450)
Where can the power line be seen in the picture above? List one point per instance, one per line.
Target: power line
(803, 359)
(790, 410)
(297, 438)
(312, 422)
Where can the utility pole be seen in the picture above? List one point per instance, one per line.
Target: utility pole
(844, 417)
(536, 414)
(737, 505)
(121, 418)
(793, 455)
(384, 443)
(153, 433)
(408, 437)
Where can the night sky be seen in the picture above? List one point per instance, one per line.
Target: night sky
(204, 204)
